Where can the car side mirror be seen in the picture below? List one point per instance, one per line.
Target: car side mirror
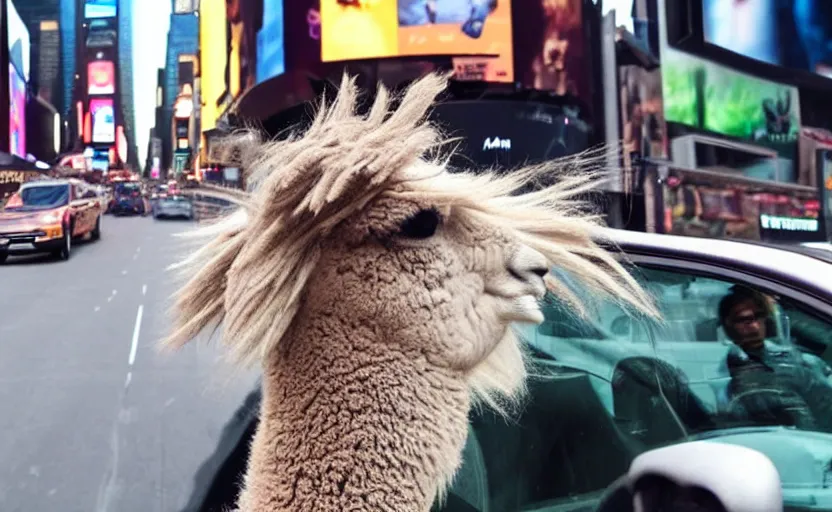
(704, 476)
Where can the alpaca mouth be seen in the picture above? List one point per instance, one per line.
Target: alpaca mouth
(524, 309)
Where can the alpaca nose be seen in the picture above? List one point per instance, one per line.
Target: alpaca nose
(529, 266)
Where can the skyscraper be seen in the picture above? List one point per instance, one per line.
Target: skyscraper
(69, 48)
(182, 50)
(43, 18)
(125, 56)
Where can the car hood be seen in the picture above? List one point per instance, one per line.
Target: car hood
(22, 220)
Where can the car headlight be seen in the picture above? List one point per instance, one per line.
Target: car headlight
(50, 218)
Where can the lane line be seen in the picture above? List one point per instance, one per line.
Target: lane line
(136, 330)
(97, 309)
(124, 272)
(144, 289)
(112, 296)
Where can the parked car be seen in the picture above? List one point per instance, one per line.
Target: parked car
(129, 199)
(45, 216)
(610, 386)
(173, 206)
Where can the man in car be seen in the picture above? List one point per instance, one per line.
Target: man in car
(770, 384)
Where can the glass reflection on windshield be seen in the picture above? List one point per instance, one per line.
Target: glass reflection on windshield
(41, 197)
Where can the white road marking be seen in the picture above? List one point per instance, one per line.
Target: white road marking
(112, 296)
(144, 289)
(128, 379)
(97, 309)
(135, 256)
(136, 330)
(138, 249)
(124, 272)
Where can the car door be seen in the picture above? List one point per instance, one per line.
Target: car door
(603, 393)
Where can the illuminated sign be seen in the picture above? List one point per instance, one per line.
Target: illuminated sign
(496, 143)
(101, 77)
(102, 112)
(100, 9)
(788, 223)
(183, 108)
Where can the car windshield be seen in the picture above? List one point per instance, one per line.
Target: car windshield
(41, 198)
(127, 188)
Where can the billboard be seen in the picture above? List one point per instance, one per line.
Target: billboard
(19, 41)
(795, 34)
(715, 98)
(102, 113)
(550, 51)
(271, 60)
(101, 77)
(100, 9)
(365, 29)
(17, 113)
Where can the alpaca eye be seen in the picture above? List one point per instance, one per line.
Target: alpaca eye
(421, 225)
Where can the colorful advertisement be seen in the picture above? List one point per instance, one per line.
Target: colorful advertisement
(706, 206)
(271, 59)
(643, 127)
(366, 29)
(101, 77)
(103, 121)
(100, 9)
(550, 52)
(791, 33)
(19, 41)
(705, 95)
(17, 113)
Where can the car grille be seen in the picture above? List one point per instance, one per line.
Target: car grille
(22, 238)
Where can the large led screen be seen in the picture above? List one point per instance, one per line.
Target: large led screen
(100, 9)
(711, 97)
(271, 60)
(507, 134)
(103, 121)
(791, 33)
(17, 113)
(101, 77)
(365, 29)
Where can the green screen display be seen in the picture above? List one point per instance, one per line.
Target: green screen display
(711, 97)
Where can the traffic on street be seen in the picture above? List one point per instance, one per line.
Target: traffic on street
(93, 416)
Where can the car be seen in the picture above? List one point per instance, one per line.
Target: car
(45, 216)
(612, 385)
(173, 206)
(129, 199)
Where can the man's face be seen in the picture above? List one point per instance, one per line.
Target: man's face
(747, 321)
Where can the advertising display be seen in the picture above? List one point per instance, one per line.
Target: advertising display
(550, 52)
(705, 206)
(100, 9)
(510, 133)
(103, 121)
(366, 29)
(643, 127)
(790, 33)
(17, 113)
(709, 97)
(19, 41)
(101, 77)
(271, 60)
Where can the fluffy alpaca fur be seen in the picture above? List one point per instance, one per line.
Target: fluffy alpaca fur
(375, 332)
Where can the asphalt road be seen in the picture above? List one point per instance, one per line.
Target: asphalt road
(93, 417)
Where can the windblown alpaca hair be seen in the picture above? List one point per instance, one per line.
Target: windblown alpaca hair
(251, 274)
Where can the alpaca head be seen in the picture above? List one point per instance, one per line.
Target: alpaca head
(356, 221)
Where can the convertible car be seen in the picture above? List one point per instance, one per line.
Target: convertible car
(612, 386)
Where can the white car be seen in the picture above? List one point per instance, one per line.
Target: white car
(609, 387)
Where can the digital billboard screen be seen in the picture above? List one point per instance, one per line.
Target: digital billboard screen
(271, 59)
(795, 34)
(102, 112)
(366, 29)
(100, 9)
(17, 113)
(101, 77)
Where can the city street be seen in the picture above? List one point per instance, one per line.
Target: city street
(93, 416)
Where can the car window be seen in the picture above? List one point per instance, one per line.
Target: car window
(730, 363)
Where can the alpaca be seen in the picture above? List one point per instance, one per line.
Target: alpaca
(376, 290)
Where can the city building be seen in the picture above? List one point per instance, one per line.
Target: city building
(43, 20)
(181, 68)
(125, 59)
